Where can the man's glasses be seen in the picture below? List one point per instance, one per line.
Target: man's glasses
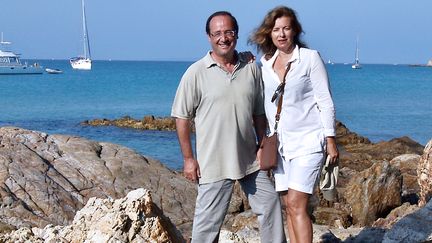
(279, 90)
(227, 33)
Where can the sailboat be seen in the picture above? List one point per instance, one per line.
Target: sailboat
(356, 64)
(83, 62)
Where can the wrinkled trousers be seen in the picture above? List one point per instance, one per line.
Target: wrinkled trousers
(213, 201)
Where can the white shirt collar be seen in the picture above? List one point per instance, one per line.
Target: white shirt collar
(269, 63)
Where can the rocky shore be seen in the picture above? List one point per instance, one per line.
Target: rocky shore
(146, 123)
(384, 192)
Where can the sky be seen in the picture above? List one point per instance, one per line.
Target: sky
(389, 31)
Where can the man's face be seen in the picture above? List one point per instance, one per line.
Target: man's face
(222, 37)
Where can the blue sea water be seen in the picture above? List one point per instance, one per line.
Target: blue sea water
(379, 101)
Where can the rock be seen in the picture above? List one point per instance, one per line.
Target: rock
(415, 227)
(333, 216)
(373, 193)
(244, 236)
(407, 164)
(395, 215)
(424, 172)
(239, 202)
(134, 218)
(358, 154)
(147, 123)
(346, 137)
(231, 237)
(361, 156)
(367, 234)
(21, 235)
(45, 179)
(242, 220)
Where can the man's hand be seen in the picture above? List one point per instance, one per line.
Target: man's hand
(191, 170)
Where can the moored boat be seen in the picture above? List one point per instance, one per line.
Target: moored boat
(10, 62)
(83, 62)
(356, 64)
(53, 70)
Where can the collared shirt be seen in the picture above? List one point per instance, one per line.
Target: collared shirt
(308, 114)
(222, 105)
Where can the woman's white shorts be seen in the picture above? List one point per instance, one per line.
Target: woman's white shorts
(300, 173)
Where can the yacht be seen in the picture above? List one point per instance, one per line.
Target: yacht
(356, 64)
(10, 62)
(83, 62)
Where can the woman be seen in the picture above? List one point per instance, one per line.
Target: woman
(306, 130)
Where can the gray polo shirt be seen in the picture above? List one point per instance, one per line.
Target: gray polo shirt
(222, 105)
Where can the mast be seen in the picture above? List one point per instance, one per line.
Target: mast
(357, 52)
(4, 42)
(86, 37)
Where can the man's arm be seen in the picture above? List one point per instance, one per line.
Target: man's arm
(190, 165)
(260, 124)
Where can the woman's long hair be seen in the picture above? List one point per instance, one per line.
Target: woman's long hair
(261, 37)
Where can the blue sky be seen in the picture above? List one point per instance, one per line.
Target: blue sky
(390, 31)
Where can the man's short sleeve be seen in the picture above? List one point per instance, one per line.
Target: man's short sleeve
(186, 98)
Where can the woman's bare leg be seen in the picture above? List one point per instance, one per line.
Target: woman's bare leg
(297, 216)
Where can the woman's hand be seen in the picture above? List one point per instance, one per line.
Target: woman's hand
(332, 150)
(247, 56)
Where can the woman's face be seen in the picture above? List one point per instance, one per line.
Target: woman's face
(283, 34)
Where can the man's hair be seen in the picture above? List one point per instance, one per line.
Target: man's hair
(221, 13)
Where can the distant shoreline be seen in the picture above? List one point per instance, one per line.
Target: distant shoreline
(150, 122)
(420, 65)
(191, 61)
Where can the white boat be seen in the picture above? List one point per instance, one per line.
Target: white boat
(10, 62)
(356, 64)
(83, 62)
(53, 70)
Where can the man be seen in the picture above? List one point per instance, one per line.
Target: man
(223, 94)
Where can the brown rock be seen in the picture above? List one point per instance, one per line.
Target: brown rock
(395, 215)
(65, 171)
(407, 164)
(373, 193)
(357, 153)
(147, 123)
(45, 179)
(242, 220)
(362, 156)
(424, 171)
(332, 216)
(414, 227)
(346, 137)
(134, 218)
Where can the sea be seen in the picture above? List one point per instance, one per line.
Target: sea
(380, 102)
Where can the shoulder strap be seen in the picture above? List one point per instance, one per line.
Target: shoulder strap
(279, 107)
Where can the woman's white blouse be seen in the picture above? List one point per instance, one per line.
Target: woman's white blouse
(308, 114)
